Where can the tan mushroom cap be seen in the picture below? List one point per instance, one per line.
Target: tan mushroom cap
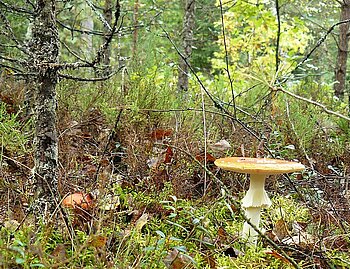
(264, 166)
(78, 200)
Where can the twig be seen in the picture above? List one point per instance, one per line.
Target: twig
(66, 76)
(226, 60)
(110, 138)
(322, 106)
(278, 35)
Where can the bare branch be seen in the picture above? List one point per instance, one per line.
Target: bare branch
(109, 37)
(99, 15)
(322, 106)
(226, 60)
(72, 52)
(66, 76)
(9, 32)
(318, 44)
(278, 34)
(12, 8)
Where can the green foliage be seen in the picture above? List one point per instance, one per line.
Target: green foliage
(251, 34)
(14, 136)
(288, 210)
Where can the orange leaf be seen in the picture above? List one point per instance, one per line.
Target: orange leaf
(160, 134)
(168, 155)
(276, 255)
(201, 157)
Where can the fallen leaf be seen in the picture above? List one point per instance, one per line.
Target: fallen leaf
(276, 255)
(160, 134)
(222, 235)
(280, 229)
(59, 253)
(201, 157)
(98, 241)
(168, 155)
(176, 260)
(220, 146)
(141, 222)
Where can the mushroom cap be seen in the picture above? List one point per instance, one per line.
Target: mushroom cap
(80, 200)
(264, 166)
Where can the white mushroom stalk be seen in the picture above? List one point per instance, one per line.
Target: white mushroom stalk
(255, 199)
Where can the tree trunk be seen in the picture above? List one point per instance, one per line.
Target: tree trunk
(87, 24)
(107, 12)
(135, 31)
(340, 69)
(44, 47)
(188, 27)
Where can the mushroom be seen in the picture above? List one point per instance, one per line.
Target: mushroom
(256, 197)
(78, 200)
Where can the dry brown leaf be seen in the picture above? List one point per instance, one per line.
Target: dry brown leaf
(222, 235)
(59, 254)
(160, 134)
(209, 158)
(176, 260)
(168, 155)
(281, 229)
(276, 255)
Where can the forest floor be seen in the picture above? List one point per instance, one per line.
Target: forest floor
(157, 204)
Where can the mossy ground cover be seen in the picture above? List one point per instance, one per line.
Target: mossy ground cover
(156, 203)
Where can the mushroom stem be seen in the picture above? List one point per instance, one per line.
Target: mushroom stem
(255, 199)
(253, 214)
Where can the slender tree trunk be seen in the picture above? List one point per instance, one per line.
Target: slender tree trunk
(30, 83)
(107, 12)
(87, 24)
(340, 69)
(44, 47)
(135, 32)
(188, 27)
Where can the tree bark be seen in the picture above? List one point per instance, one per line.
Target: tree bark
(87, 24)
(188, 27)
(340, 69)
(107, 12)
(44, 47)
(135, 31)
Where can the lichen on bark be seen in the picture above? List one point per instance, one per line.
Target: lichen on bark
(44, 47)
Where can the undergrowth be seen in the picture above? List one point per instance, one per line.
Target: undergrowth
(155, 204)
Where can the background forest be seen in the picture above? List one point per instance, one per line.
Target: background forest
(127, 104)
